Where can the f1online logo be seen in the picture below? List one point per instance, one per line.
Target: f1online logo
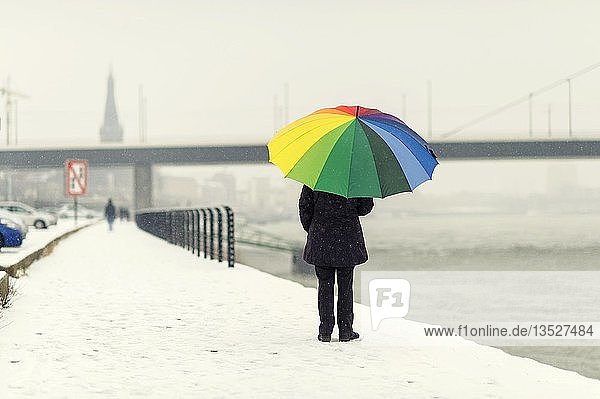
(389, 298)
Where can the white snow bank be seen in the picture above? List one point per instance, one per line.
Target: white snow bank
(123, 314)
(37, 239)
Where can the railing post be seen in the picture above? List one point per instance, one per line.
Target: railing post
(230, 237)
(162, 225)
(188, 230)
(191, 229)
(204, 232)
(211, 246)
(185, 228)
(181, 227)
(171, 230)
(197, 236)
(219, 234)
(174, 226)
(177, 228)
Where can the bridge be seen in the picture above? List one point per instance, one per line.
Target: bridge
(143, 158)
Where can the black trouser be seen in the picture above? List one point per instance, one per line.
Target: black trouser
(345, 304)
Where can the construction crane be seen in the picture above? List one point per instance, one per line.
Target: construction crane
(10, 97)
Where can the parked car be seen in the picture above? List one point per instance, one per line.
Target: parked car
(49, 209)
(30, 215)
(9, 237)
(10, 219)
(68, 211)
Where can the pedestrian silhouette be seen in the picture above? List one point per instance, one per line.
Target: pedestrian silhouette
(110, 213)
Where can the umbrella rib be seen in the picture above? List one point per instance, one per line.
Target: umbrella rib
(304, 122)
(373, 153)
(302, 135)
(351, 157)
(359, 122)
(410, 134)
(345, 133)
(411, 151)
(310, 148)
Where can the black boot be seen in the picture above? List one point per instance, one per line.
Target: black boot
(324, 337)
(349, 337)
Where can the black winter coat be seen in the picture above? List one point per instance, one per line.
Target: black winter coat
(109, 211)
(335, 237)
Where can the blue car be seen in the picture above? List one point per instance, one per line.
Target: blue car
(9, 237)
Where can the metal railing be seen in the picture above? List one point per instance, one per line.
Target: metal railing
(192, 229)
(255, 236)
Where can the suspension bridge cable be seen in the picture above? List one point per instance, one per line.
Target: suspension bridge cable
(520, 100)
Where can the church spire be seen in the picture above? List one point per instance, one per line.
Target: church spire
(111, 130)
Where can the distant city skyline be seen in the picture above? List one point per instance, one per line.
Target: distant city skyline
(211, 71)
(264, 194)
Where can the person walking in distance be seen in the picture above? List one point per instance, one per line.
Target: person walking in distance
(334, 245)
(110, 213)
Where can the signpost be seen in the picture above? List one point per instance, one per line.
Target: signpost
(76, 180)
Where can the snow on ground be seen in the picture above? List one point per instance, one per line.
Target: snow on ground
(125, 314)
(38, 238)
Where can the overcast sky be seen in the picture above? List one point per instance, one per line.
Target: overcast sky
(211, 69)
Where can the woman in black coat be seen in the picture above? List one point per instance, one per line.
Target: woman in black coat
(335, 244)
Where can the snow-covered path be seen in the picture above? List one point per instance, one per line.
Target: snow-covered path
(126, 314)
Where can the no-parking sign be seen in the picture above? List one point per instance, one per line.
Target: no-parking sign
(76, 173)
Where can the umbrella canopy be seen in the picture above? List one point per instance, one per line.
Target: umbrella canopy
(353, 151)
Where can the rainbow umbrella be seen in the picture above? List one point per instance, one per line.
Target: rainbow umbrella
(354, 152)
